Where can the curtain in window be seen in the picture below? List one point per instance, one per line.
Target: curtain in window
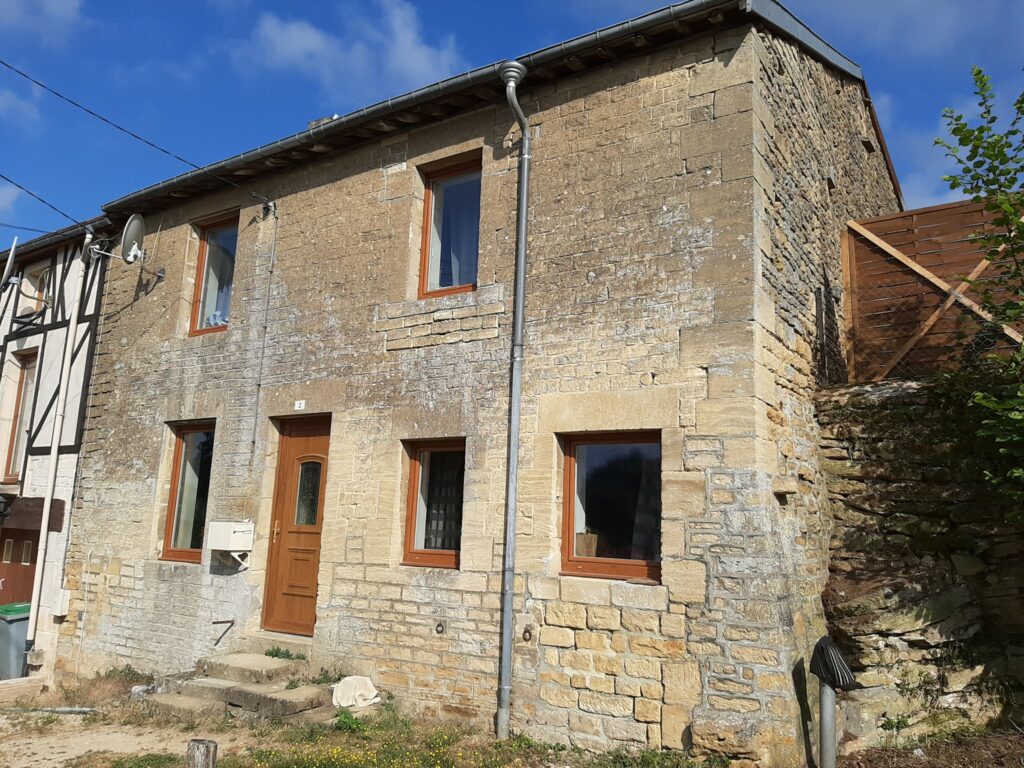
(193, 490)
(457, 231)
(220, 270)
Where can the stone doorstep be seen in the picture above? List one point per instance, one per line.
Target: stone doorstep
(275, 700)
(212, 688)
(180, 705)
(248, 668)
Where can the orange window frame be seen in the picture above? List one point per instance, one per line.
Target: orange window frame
(200, 281)
(176, 553)
(432, 558)
(430, 179)
(598, 567)
(13, 474)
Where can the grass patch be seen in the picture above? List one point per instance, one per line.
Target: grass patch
(283, 653)
(148, 761)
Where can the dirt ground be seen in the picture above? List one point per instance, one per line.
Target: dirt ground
(41, 741)
(1002, 749)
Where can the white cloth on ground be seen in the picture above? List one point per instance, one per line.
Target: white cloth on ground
(354, 691)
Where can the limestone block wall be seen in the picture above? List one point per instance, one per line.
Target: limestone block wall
(811, 170)
(925, 584)
(649, 307)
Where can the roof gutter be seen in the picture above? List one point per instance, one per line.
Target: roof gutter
(73, 232)
(770, 11)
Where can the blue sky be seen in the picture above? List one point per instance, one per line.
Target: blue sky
(210, 78)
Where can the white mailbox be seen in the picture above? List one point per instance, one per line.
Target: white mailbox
(230, 537)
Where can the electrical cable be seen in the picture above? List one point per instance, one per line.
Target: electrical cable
(122, 129)
(48, 204)
(5, 225)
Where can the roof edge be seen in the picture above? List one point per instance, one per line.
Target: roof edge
(43, 242)
(769, 11)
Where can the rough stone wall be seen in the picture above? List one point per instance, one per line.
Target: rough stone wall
(647, 309)
(813, 171)
(926, 586)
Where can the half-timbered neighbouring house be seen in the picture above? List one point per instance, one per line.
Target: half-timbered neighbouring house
(47, 278)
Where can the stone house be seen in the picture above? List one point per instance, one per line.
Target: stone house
(327, 357)
(47, 275)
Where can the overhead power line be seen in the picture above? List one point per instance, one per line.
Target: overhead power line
(98, 116)
(45, 202)
(121, 128)
(5, 225)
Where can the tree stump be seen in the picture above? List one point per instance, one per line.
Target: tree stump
(202, 753)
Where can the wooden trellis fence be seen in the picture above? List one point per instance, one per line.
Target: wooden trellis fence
(909, 279)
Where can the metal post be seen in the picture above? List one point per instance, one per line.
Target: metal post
(826, 726)
(202, 753)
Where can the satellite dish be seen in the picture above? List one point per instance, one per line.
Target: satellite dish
(132, 249)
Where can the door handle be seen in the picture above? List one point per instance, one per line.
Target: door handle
(277, 530)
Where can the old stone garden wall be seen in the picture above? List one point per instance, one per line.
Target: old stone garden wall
(926, 588)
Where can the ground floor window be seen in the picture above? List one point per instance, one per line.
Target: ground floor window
(612, 505)
(21, 419)
(190, 488)
(433, 528)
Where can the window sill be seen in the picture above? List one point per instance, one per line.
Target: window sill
(641, 573)
(447, 560)
(188, 557)
(205, 331)
(422, 295)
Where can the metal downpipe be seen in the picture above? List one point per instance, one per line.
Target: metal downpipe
(512, 73)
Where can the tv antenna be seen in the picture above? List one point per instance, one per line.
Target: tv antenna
(132, 238)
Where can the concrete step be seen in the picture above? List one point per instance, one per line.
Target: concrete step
(276, 699)
(179, 705)
(210, 688)
(251, 668)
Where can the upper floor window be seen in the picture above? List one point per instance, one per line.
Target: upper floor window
(214, 276)
(612, 505)
(451, 231)
(21, 418)
(190, 490)
(433, 528)
(35, 290)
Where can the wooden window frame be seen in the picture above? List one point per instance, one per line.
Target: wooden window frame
(429, 180)
(177, 554)
(598, 567)
(39, 302)
(13, 474)
(200, 281)
(430, 558)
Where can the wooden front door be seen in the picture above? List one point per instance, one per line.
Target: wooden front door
(290, 599)
(17, 564)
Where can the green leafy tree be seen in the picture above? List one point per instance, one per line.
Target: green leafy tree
(990, 169)
(989, 160)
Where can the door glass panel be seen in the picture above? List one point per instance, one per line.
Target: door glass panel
(308, 496)
(8, 550)
(26, 553)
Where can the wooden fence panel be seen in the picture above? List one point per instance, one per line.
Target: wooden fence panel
(908, 307)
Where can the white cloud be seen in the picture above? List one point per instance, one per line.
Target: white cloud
(17, 110)
(8, 195)
(51, 21)
(931, 28)
(370, 56)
